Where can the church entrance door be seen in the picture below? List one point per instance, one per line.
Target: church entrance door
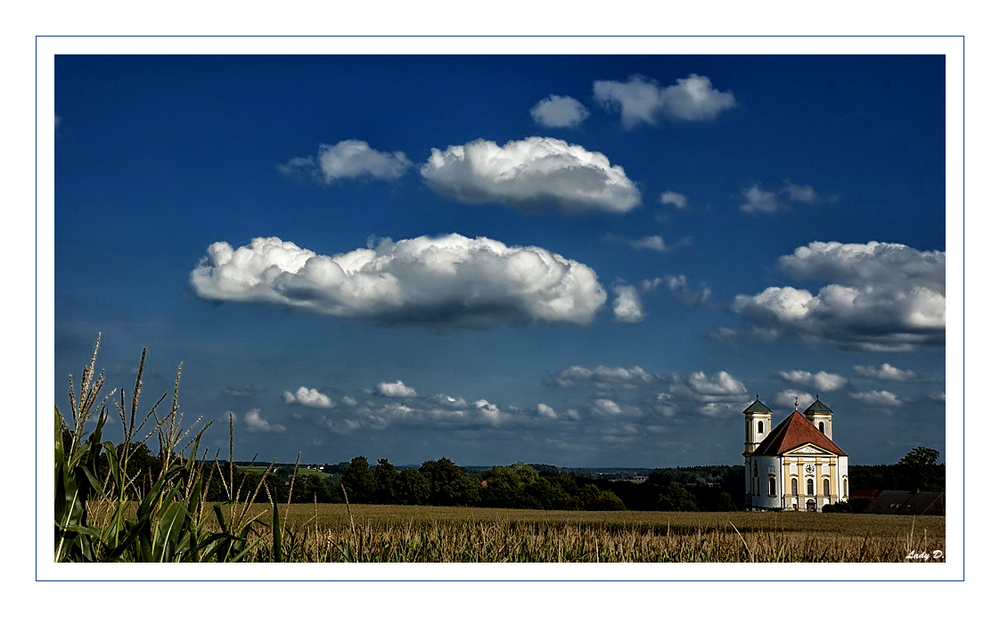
(811, 505)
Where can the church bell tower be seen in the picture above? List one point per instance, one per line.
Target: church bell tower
(757, 420)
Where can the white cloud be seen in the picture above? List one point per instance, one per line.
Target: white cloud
(350, 158)
(255, 423)
(885, 297)
(537, 172)
(606, 407)
(559, 112)
(641, 99)
(757, 199)
(717, 396)
(309, 397)
(447, 281)
(652, 243)
(817, 382)
(395, 389)
(602, 376)
(895, 265)
(675, 199)
(488, 411)
(789, 399)
(877, 398)
(628, 306)
(680, 289)
(547, 412)
(885, 372)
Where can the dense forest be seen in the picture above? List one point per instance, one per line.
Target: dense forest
(443, 483)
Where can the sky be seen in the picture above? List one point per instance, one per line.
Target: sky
(583, 261)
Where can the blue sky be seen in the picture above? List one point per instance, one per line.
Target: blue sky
(574, 260)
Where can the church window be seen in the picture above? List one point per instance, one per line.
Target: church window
(809, 486)
(772, 486)
(822, 428)
(845, 487)
(760, 426)
(795, 486)
(826, 486)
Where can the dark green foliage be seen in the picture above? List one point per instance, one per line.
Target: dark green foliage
(917, 470)
(359, 481)
(450, 485)
(386, 477)
(412, 488)
(676, 499)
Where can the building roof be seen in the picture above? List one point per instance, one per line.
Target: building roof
(757, 407)
(907, 502)
(819, 407)
(793, 432)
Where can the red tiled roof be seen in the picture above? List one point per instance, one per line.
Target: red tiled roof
(795, 431)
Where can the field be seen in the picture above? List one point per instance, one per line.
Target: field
(368, 533)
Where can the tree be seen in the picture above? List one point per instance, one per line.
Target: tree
(450, 485)
(412, 488)
(385, 476)
(919, 471)
(677, 499)
(359, 481)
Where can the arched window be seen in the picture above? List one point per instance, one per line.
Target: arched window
(809, 486)
(772, 489)
(845, 487)
(826, 486)
(795, 486)
(760, 426)
(822, 428)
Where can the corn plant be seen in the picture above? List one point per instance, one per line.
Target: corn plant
(162, 521)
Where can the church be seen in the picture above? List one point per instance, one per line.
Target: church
(795, 466)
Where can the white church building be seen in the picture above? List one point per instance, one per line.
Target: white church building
(796, 465)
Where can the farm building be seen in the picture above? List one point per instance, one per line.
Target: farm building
(907, 502)
(795, 466)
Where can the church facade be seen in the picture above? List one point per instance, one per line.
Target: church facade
(796, 465)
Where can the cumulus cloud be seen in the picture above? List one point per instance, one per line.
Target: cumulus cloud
(877, 398)
(537, 172)
(642, 100)
(395, 389)
(602, 376)
(884, 297)
(817, 382)
(450, 281)
(886, 372)
(559, 112)
(882, 263)
(680, 289)
(652, 243)
(309, 397)
(672, 198)
(606, 407)
(756, 199)
(546, 412)
(628, 305)
(351, 158)
(255, 423)
(715, 396)
(793, 399)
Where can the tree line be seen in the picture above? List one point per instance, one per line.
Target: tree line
(443, 483)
